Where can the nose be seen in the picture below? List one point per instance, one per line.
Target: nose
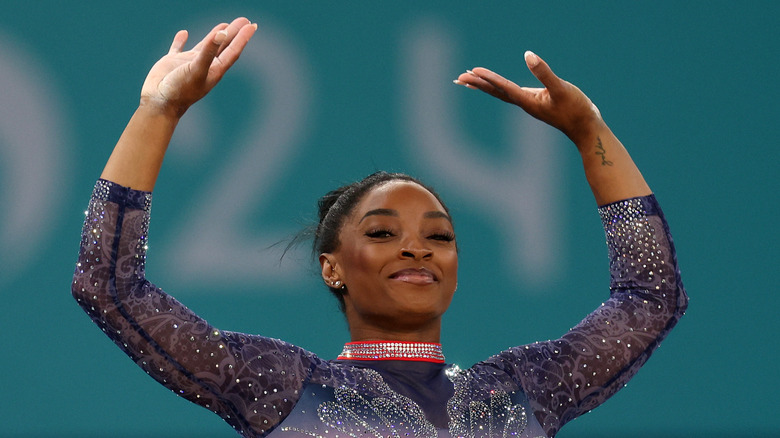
(415, 253)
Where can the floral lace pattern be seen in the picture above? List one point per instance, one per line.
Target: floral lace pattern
(569, 376)
(368, 408)
(255, 383)
(251, 381)
(480, 409)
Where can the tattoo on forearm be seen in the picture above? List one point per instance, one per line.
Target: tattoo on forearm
(601, 151)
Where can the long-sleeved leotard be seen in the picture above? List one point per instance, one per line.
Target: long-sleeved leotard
(264, 386)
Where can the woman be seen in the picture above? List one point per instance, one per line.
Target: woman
(387, 251)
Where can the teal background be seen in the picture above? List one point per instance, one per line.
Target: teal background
(330, 93)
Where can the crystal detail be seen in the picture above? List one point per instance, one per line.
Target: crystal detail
(386, 350)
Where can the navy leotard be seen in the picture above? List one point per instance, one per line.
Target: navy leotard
(263, 386)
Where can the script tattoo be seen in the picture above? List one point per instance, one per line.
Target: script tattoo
(601, 151)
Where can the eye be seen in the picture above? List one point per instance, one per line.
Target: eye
(443, 236)
(379, 233)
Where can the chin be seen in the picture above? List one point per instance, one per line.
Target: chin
(423, 311)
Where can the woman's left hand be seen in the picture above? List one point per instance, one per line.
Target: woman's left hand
(560, 104)
(609, 169)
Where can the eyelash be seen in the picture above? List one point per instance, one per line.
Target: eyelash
(379, 233)
(383, 233)
(444, 236)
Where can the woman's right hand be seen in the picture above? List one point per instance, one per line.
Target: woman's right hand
(174, 83)
(181, 78)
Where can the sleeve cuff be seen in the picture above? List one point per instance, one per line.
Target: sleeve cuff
(630, 208)
(112, 192)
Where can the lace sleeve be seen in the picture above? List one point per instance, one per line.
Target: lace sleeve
(250, 381)
(567, 377)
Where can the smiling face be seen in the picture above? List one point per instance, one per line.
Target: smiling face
(398, 260)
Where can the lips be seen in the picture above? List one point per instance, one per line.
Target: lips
(419, 276)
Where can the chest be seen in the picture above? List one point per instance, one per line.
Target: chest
(364, 403)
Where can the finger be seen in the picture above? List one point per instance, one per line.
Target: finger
(493, 84)
(209, 47)
(471, 80)
(495, 79)
(529, 99)
(178, 42)
(203, 43)
(230, 52)
(233, 29)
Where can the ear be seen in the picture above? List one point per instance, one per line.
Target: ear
(328, 267)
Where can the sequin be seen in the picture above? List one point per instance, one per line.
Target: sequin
(257, 384)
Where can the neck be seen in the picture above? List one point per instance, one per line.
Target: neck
(430, 333)
(407, 325)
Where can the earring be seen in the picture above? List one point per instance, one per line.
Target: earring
(336, 283)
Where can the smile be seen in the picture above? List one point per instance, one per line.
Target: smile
(420, 276)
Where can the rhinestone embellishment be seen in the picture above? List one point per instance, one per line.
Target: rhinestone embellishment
(384, 350)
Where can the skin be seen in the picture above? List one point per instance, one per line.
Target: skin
(378, 306)
(609, 169)
(175, 82)
(398, 260)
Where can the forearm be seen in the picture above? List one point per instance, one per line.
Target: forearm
(609, 169)
(172, 344)
(567, 377)
(138, 155)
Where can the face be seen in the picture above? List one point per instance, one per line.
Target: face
(397, 258)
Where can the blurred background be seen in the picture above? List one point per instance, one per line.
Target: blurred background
(328, 92)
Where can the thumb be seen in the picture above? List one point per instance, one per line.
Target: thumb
(531, 60)
(541, 70)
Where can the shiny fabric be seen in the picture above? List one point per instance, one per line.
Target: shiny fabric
(263, 386)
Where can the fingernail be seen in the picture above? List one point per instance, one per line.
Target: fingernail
(531, 59)
(457, 82)
(254, 25)
(471, 73)
(220, 37)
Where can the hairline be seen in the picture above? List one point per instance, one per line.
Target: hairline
(411, 180)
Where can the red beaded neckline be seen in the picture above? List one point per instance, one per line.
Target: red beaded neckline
(392, 350)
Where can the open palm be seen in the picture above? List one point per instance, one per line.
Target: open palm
(181, 78)
(559, 104)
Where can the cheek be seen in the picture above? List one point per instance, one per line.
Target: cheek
(450, 266)
(365, 260)
(451, 260)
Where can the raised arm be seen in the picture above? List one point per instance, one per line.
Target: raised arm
(250, 381)
(175, 82)
(609, 169)
(567, 377)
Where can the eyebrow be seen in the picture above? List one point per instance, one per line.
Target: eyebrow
(394, 213)
(437, 214)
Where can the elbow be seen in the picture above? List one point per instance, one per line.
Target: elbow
(682, 300)
(78, 284)
(676, 302)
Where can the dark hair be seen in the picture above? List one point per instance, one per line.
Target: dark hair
(338, 204)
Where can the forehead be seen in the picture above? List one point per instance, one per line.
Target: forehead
(398, 194)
